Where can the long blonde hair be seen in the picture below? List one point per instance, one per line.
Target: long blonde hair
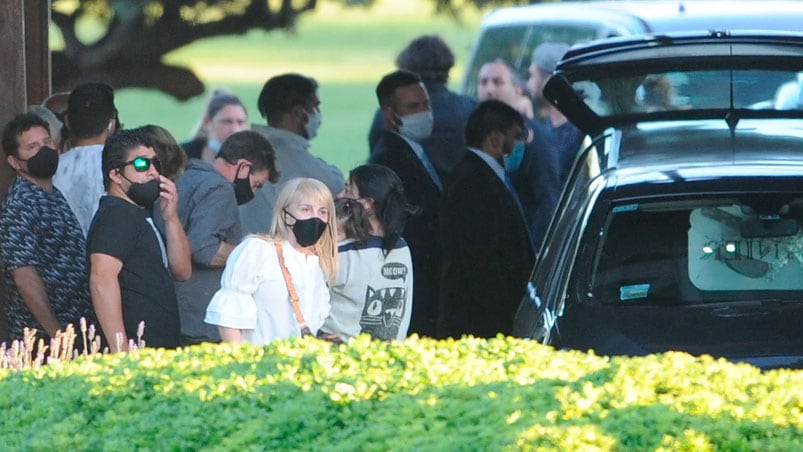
(302, 189)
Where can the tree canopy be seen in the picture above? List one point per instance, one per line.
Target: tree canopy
(138, 33)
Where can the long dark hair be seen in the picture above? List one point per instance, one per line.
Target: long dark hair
(354, 219)
(383, 185)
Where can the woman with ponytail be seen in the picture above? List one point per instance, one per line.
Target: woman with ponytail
(373, 291)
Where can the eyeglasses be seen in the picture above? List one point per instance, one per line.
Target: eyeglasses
(142, 164)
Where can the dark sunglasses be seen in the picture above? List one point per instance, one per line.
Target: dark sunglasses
(142, 164)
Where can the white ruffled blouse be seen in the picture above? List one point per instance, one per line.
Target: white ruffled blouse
(253, 296)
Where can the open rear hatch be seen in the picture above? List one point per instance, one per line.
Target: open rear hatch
(616, 82)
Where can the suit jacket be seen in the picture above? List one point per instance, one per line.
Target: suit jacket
(538, 182)
(487, 258)
(421, 230)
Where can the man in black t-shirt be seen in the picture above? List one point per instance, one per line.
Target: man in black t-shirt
(130, 263)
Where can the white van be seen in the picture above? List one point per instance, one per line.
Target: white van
(513, 33)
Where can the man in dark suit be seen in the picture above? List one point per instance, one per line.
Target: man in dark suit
(407, 117)
(536, 179)
(487, 256)
(431, 58)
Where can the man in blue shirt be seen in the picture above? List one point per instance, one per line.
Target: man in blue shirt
(42, 246)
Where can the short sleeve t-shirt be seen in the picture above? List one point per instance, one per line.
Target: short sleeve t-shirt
(122, 230)
(80, 179)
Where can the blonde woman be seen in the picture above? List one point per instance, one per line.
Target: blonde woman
(264, 274)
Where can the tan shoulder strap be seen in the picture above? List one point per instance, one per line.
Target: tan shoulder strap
(291, 289)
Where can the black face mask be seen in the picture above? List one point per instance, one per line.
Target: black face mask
(307, 231)
(144, 194)
(44, 164)
(242, 188)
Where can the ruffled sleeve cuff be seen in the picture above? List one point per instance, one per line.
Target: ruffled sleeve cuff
(233, 306)
(232, 309)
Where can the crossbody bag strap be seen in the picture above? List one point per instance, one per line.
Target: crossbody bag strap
(291, 289)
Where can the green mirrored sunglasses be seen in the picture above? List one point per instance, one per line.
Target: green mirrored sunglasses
(142, 164)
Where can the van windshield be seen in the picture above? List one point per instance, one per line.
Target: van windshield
(515, 45)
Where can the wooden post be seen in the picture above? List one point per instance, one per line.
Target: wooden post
(24, 76)
(12, 70)
(37, 50)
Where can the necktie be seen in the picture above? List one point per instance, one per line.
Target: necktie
(512, 189)
(433, 174)
(515, 195)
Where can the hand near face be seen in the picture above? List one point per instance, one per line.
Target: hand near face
(169, 196)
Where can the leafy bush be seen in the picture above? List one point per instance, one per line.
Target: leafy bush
(499, 394)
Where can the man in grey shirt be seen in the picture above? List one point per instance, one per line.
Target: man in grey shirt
(291, 106)
(208, 199)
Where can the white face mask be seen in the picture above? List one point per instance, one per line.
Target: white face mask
(417, 126)
(314, 121)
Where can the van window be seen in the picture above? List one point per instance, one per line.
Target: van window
(515, 44)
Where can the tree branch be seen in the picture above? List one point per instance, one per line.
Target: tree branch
(117, 41)
(129, 54)
(67, 26)
(178, 82)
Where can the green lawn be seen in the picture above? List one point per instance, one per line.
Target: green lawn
(347, 51)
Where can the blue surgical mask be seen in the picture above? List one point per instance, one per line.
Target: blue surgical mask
(314, 121)
(513, 160)
(214, 144)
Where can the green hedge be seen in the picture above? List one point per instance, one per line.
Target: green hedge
(499, 394)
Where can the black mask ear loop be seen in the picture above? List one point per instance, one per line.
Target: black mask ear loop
(291, 216)
(242, 186)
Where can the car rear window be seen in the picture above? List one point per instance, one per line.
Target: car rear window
(713, 250)
(611, 95)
